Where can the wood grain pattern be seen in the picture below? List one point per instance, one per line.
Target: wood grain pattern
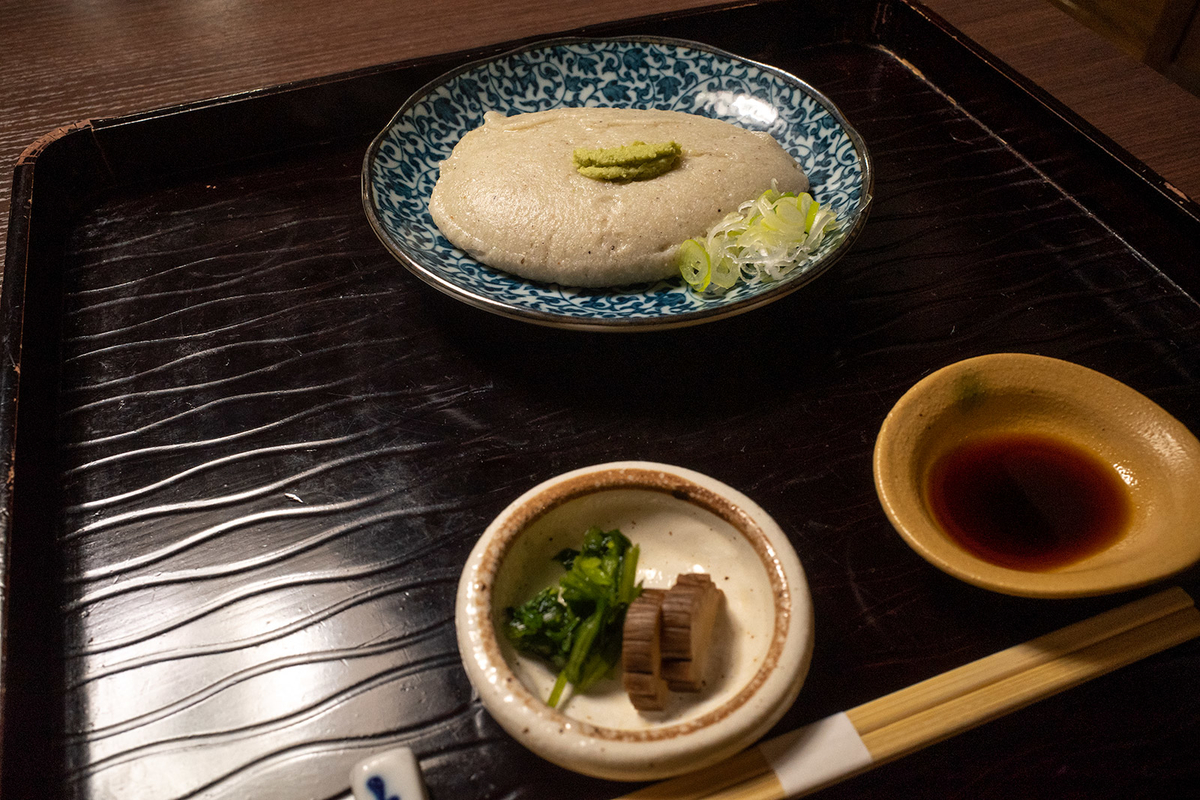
(1128, 23)
(1152, 118)
(66, 61)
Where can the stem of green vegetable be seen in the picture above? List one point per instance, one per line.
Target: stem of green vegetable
(583, 642)
(556, 693)
(579, 652)
(627, 590)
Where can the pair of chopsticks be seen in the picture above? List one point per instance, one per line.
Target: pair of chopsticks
(900, 723)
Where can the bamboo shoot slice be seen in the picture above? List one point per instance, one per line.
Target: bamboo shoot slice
(641, 655)
(689, 613)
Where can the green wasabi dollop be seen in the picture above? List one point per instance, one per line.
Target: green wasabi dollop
(637, 161)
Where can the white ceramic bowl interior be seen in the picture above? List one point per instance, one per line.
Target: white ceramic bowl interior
(683, 522)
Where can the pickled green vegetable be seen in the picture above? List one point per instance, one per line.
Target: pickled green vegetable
(576, 626)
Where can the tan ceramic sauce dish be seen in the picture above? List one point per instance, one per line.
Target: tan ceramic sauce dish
(1157, 458)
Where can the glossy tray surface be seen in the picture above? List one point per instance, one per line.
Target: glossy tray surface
(254, 451)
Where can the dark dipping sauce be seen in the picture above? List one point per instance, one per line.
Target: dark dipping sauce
(1028, 501)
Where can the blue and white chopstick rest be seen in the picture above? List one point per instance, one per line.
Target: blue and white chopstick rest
(390, 775)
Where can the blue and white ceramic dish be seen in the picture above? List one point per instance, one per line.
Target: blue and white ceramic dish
(401, 167)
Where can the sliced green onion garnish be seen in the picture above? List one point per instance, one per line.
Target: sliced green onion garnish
(766, 238)
(694, 264)
(725, 272)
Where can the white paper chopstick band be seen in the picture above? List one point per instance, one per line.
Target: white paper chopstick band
(817, 754)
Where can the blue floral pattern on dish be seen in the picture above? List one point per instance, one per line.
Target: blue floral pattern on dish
(401, 166)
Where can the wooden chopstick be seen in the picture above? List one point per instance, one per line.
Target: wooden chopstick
(746, 765)
(876, 714)
(940, 707)
(1017, 691)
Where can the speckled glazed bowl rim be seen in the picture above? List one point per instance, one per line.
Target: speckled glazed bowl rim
(623, 754)
(572, 308)
(1117, 413)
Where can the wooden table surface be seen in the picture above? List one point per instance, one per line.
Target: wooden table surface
(68, 61)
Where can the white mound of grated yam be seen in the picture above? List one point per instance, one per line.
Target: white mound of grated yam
(509, 194)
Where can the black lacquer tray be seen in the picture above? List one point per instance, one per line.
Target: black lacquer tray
(247, 452)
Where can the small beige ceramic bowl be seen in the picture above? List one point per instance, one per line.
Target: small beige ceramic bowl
(1155, 455)
(683, 522)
